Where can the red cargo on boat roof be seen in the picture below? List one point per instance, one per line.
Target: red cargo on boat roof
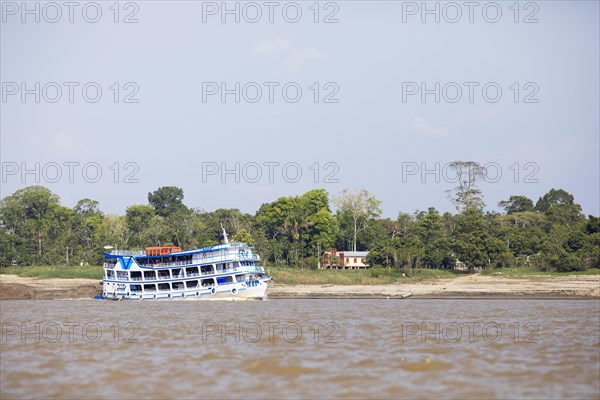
(161, 250)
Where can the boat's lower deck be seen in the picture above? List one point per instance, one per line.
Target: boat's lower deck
(252, 289)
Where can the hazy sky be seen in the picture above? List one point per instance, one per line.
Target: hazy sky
(360, 120)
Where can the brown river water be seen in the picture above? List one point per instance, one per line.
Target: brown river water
(338, 348)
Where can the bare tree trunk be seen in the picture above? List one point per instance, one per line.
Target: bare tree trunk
(355, 229)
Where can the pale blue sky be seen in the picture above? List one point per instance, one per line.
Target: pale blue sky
(369, 133)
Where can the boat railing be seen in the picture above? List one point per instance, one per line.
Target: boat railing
(244, 268)
(220, 258)
(228, 270)
(127, 253)
(253, 269)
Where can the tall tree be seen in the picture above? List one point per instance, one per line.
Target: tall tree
(553, 197)
(467, 195)
(437, 251)
(87, 229)
(167, 200)
(560, 207)
(361, 206)
(516, 204)
(32, 214)
(138, 219)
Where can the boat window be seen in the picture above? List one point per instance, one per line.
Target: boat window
(178, 286)
(207, 269)
(135, 288)
(150, 288)
(164, 287)
(222, 280)
(177, 273)
(191, 271)
(110, 274)
(149, 275)
(122, 276)
(208, 282)
(136, 275)
(164, 274)
(192, 284)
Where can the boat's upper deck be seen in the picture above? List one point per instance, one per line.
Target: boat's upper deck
(222, 253)
(209, 249)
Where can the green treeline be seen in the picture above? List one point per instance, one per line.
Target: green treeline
(551, 235)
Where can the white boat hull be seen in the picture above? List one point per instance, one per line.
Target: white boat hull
(237, 291)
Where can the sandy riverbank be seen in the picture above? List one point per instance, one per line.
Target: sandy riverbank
(472, 285)
(15, 287)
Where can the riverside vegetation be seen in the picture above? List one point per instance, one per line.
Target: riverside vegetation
(294, 276)
(550, 235)
(283, 275)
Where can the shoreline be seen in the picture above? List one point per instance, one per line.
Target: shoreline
(471, 286)
(13, 287)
